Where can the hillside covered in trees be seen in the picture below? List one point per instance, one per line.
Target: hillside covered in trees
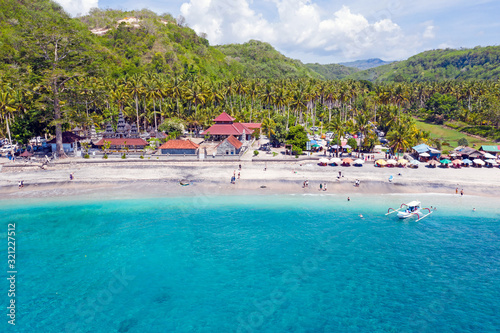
(258, 59)
(479, 63)
(57, 72)
(332, 71)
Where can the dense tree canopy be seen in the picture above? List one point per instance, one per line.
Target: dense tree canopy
(56, 75)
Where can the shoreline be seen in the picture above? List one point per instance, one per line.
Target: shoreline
(162, 179)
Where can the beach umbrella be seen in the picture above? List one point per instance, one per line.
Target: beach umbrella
(491, 161)
(433, 162)
(445, 161)
(425, 155)
(359, 162)
(335, 160)
(392, 162)
(347, 160)
(467, 161)
(316, 146)
(323, 161)
(26, 154)
(346, 147)
(478, 162)
(402, 161)
(489, 156)
(336, 147)
(457, 161)
(415, 162)
(381, 162)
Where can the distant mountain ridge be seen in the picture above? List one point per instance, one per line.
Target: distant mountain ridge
(479, 63)
(365, 64)
(332, 71)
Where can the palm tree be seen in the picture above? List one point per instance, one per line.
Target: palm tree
(268, 126)
(7, 107)
(135, 89)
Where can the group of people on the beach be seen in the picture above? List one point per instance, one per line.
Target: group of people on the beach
(233, 178)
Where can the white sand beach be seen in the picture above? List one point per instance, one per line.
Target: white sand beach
(143, 178)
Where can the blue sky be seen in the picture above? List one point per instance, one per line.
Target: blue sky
(330, 31)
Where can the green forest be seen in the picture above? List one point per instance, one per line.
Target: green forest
(55, 74)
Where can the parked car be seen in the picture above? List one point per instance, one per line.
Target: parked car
(36, 140)
(7, 148)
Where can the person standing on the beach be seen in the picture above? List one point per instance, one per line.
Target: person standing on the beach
(19, 185)
(348, 199)
(324, 187)
(71, 176)
(456, 191)
(240, 166)
(320, 186)
(462, 192)
(238, 175)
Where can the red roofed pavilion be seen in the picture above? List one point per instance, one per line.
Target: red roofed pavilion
(225, 126)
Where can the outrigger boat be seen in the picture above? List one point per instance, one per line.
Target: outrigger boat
(411, 209)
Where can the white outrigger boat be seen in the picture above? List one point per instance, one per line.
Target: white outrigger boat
(411, 209)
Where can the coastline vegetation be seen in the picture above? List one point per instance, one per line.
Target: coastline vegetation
(57, 75)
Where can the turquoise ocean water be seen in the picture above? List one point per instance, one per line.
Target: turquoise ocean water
(289, 263)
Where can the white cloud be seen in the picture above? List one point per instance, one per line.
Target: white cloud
(226, 21)
(78, 7)
(303, 25)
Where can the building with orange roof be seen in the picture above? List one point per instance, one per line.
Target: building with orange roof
(225, 126)
(179, 147)
(123, 143)
(230, 146)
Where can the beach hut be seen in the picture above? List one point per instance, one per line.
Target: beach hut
(69, 142)
(489, 156)
(492, 150)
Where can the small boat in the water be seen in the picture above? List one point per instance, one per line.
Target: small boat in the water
(411, 209)
(184, 182)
